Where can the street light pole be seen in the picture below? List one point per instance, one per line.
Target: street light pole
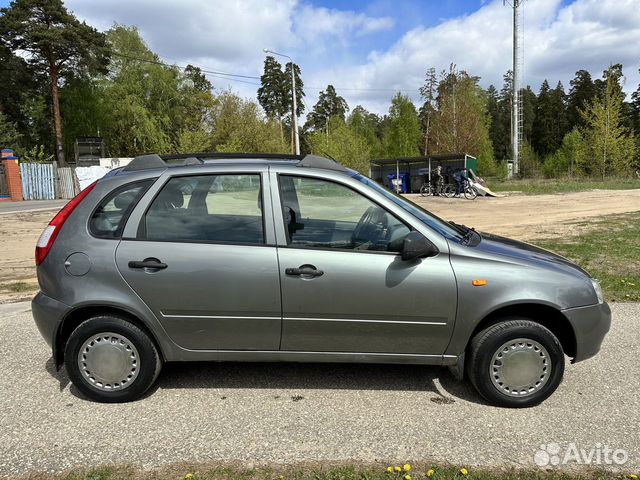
(294, 114)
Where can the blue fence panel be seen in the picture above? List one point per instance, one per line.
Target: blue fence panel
(38, 181)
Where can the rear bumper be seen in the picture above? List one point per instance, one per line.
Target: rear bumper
(590, 325)
(48, 315)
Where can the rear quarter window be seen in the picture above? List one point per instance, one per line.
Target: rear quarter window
(111, 214)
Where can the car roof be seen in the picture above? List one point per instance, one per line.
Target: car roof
(155, 161)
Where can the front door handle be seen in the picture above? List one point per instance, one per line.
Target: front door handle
(152, 263)
(304, 271)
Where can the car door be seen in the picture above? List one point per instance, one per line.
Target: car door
(203, 259)
(345, 287)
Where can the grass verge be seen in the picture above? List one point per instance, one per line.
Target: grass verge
(609, 251)
(544, 186)
(326, 473)
(17, 287)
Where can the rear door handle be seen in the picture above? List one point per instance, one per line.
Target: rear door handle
(153, 263)
(304, 271)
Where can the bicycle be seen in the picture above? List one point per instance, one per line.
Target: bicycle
(470, 192)
(442, 189)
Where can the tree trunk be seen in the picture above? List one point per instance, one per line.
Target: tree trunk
(57, 119)
(426, 137)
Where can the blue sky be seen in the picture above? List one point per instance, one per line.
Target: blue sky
(370, 49)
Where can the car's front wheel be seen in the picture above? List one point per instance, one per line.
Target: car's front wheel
(109, 359)
(515, 363)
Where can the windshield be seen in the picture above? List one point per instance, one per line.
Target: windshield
(431, 220)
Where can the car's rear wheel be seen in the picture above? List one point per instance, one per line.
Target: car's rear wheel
(515, 363)
(109, 359)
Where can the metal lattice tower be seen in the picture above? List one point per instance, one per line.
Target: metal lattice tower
(516, 104)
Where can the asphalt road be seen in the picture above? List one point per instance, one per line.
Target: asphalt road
(31, 206)
(288, 412)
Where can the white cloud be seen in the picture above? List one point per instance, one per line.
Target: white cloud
(558, 41)
(332, 46)
(313, 22)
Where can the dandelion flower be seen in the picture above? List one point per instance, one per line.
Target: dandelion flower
(430, 472)
(398, 469)
(464, 471)
(633, 476)
(188, 476)
(407, 477)
(389, 469)
(407, 467)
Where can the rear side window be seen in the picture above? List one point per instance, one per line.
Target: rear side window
(208, 209)
(110, 216)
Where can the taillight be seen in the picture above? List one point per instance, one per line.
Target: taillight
(48, 236)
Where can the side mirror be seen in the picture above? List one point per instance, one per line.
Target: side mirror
(416, 245)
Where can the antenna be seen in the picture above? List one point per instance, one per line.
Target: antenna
(516, 104)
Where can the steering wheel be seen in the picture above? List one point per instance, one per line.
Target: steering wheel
(371, 228)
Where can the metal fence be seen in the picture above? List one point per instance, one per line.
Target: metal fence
(38, 181)
(45, 181)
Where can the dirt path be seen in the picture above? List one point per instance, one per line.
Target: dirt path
(527, 217)
(518, 216)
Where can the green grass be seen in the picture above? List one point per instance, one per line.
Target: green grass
(323, 473)
(609, 251)
(17, 287)
(562, 185)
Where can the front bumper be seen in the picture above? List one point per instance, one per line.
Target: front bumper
(590, 325)
(48, 315)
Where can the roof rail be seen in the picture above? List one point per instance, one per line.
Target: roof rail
(223, 155)
(146, 162)
(314, 161)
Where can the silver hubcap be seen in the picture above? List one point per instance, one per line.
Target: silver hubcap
(109, 361)
(520, 367)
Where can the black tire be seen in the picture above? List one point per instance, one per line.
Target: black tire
(449, 190)
(487, 343)
(470, 193)
(145, 363)
(425, 190)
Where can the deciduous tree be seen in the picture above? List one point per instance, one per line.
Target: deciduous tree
(609, 148)
(58, 44)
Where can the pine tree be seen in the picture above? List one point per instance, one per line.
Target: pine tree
(273, 90)
(529, 103)
(502, 129)
(428, 93)
(580, 95)
(635, 111)
(329, 104)
(550, 124)
(299, 89)
(58, 45)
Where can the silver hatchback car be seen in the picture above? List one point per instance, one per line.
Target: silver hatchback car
(220, 257)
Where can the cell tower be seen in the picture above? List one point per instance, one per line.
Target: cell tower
(516, 105)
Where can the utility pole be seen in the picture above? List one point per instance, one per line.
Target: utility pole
(294, 113)
(516, 105)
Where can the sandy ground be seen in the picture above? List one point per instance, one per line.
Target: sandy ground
(518, 216)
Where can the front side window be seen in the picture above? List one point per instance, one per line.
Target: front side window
(207, 208)
(109, 218)
(319, 213)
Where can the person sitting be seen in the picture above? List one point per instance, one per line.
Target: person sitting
(460, 177)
